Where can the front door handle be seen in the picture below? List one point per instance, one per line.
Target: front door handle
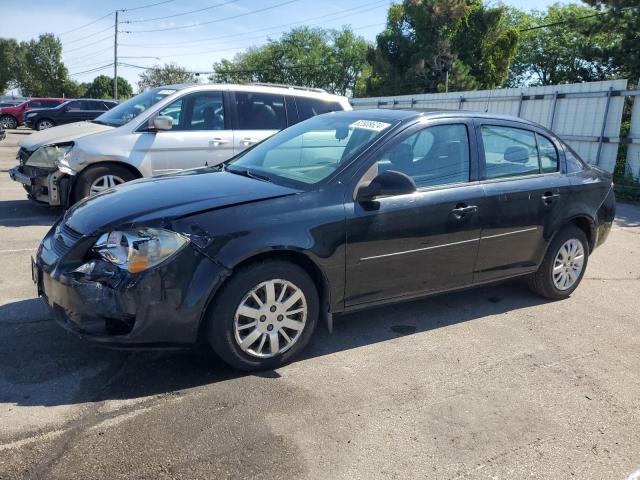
(216, 142)
(548, 197)
(247, 141)
(462, 210)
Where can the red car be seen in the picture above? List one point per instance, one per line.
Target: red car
(11, 117)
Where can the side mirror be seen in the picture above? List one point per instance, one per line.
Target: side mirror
(386, 184)
(162, 122)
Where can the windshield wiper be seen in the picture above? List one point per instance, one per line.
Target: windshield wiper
(248, 173)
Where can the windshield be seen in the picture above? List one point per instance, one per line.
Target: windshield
(127, 111)
(310, 151)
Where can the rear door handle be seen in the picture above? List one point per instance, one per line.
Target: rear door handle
(548, 197)
(463, 210)
(247, 141)
(216, 142)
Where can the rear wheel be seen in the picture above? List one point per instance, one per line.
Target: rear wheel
(99, 178)
(44, 124)
(264, 316)
(563, 266)
(8, 121)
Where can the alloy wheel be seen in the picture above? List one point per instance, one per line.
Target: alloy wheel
(568, 264)
(44, 124)
(8, 122)
(270, 318)
(104, 182)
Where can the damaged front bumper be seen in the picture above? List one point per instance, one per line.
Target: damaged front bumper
(43, 186)
(159, 308)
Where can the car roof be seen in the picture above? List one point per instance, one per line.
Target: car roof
(256, 87)
(409, 115)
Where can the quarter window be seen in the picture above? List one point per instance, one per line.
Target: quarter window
(509, 152)
(260, 111)
(437, 155)
(548, 154)
(310, 107)
(574, 163)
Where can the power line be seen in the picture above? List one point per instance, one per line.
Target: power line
(337, 15)
(146, 6)
(86, 24)
(199, 24)
(571, 20)
(84, 37)
(182, 14)
(92, 54)
(89, 44)
(92, 70)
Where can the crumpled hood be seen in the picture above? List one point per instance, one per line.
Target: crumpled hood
(168, 197)
(62, 133)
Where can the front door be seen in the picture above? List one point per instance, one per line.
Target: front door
(199, 136)
(427, 241)
(524, 191)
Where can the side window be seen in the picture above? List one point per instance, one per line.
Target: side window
(74, 106)
(35, 104)
(260, 111)
(203, 111)
(310, 107)
(173, 110)
(437, 155)
(206, 112)
(49, 103)
(548, 154)
(574, 163)
(509, 152)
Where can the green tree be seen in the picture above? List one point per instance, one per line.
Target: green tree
(167, 74)
(620, 22)
(560, 45)
(308, 57)
(425, 40)
(102, 87)
(9, 52)
(39, 71)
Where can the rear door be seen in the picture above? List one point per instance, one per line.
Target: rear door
(72, 112)
(525, 192)
(404, 245)
(200, 135)
(258, 115)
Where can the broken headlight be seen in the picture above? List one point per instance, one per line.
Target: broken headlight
(49, 155)
(139, 249)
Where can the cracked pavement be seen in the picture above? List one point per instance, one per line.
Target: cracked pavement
(492, 383)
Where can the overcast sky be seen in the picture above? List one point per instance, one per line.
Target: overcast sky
(195, 40)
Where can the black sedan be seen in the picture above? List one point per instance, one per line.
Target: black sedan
(68, 112)
(341, 212)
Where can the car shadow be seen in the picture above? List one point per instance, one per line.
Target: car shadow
(627, 215)
(43, 365)
(19, 213)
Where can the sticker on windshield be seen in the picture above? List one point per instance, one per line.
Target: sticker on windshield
(166, 92)
(370, 125)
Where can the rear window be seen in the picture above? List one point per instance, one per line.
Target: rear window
(310, 107)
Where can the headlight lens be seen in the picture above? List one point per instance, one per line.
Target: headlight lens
(139, 249)
(49, 155)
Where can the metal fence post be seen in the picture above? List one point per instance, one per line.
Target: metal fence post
(604, 125)
(460, 102)
(520, 103)
(553, 110)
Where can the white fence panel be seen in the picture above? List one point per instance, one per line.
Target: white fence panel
(633, 150)
(575, 112)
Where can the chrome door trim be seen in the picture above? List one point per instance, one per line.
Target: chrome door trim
(418, 249)
(509, 233)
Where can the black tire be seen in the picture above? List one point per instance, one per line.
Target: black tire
(82, 185)
(9, 122)
(41, 121)
(221, 316)
(542, 281)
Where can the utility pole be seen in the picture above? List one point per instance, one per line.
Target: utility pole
(115, 61)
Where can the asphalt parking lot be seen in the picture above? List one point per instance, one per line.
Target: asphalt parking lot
(492, 383)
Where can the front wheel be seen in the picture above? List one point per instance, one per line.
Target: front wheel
(99, 178)
(263, 316)
(44, 124)
(563, 266)
(8, 122)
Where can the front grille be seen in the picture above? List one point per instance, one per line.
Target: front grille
(64, 238)
(23, 155)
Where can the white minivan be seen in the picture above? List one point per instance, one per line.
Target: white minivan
(160, 131)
